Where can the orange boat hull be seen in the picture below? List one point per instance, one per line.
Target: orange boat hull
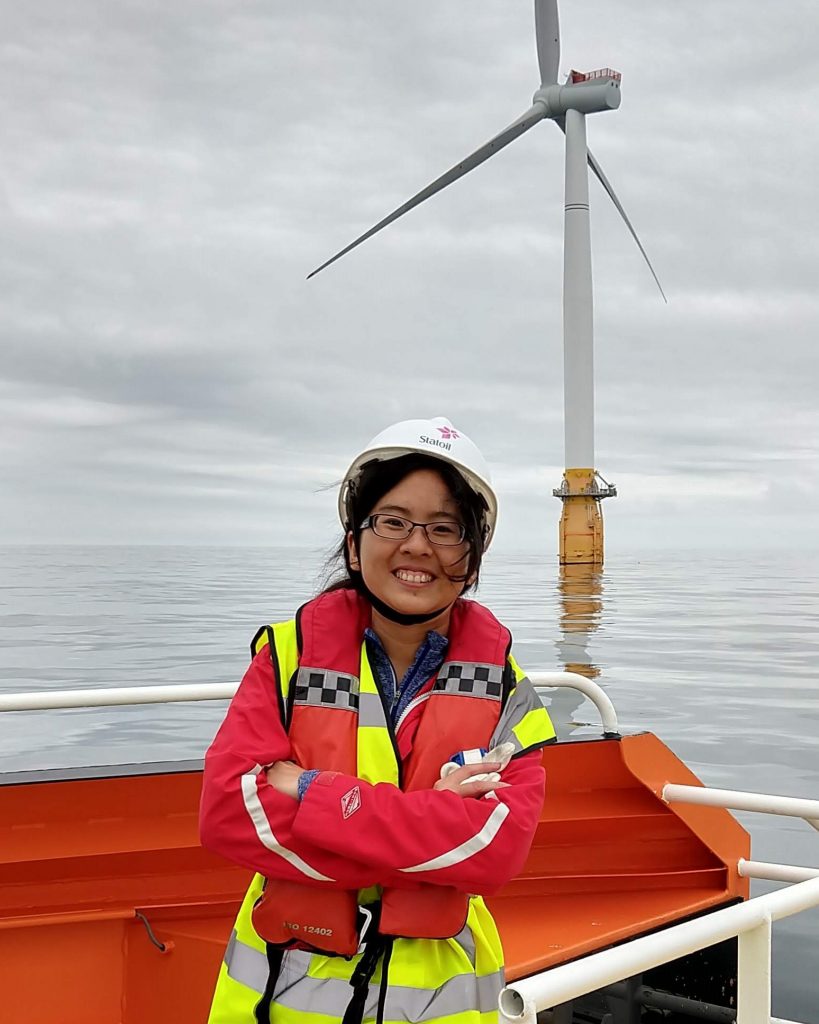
(87, 890)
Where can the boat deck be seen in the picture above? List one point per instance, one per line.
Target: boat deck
(85, 862)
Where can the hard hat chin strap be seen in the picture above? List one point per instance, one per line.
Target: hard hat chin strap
(390, 613)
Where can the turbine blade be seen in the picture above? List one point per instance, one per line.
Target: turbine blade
(604, 181)
(598, 171)
(534, 114)
(547, 34)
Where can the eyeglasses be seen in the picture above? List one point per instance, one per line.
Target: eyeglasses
(390, 527)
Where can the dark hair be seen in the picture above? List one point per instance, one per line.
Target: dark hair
(380, 476)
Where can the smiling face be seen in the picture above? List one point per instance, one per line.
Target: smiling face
(412, 575)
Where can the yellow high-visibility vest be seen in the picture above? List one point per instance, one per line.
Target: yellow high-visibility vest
(438, 981)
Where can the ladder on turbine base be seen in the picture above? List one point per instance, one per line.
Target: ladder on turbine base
(598, 488)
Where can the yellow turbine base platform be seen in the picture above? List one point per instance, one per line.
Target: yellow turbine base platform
(581, 523)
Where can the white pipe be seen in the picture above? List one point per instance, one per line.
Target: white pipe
(514, 1010)
(754, 975)
(586, 686)
(568, 981)
(44, 700)
(775, 872)
(578, 302)
(739, 801)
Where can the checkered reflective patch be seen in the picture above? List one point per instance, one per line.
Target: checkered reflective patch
(471, 679)
(319, 687)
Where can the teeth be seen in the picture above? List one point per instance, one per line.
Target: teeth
(413, 577)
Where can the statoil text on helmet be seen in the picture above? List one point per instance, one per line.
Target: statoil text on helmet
(435, 442)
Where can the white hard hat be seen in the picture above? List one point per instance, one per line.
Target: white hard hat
(438, 438)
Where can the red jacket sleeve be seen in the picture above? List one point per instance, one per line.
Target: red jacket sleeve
(242, 817)
(475, 845)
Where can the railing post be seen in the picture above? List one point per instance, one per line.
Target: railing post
(754, 975)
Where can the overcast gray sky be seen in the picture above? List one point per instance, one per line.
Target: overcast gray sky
(171, 173)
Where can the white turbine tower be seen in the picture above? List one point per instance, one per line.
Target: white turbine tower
(581, 524)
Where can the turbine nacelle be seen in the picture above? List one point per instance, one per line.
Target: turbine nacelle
(587, 94)
(584, 92)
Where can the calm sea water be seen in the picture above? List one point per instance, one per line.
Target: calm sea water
(717, 655)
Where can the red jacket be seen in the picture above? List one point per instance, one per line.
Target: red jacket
(389, 831)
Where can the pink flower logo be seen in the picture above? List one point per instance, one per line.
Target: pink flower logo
(447, 433)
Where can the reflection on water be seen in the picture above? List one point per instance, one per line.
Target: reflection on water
(580, 588)
(581, 602)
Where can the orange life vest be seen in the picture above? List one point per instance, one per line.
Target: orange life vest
(461, 709)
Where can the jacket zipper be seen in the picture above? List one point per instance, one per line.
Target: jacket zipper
(410, 707)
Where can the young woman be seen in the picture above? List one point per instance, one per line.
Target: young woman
(379, 766)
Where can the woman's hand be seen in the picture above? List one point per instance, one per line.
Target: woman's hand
(283, 776)
(459, 782)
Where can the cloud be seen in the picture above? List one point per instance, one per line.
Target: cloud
(171, 174)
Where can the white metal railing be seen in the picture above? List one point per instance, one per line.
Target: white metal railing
(775, 872)
(736, 800)
(588, 687)
(51, 700)
(106, 697)
(750, 922)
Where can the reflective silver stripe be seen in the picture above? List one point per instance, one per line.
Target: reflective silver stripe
(323, 688)
(489, 988)
(470, 679)
(522, 700)
(463, 992)
(466, 849)
(371, 710)
(298, 991)
(246, 965)
(466, 940)
(264, 832)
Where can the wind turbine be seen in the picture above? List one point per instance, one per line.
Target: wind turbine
(567, 104)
